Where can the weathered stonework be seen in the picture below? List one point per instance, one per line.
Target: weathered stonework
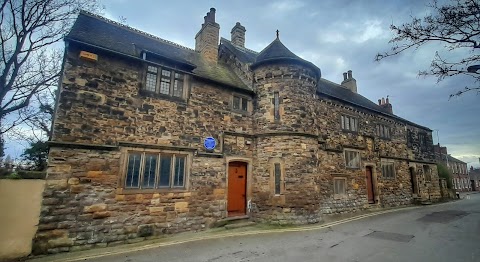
(104, 111)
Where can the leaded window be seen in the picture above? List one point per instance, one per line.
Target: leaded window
(427, 173)
(383, 131)
(388, 170)
(278, 178)
(240, 103)
(352, 159)
(349, 123)
(339, 185)
(276, 105)
(155, 170)
(164, 81)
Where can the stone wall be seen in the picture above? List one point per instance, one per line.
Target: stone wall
(102, 103)
(103, 113)
(84, 205)
(300, 196)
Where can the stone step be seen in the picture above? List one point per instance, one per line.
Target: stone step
(239, 225)
(230, 220)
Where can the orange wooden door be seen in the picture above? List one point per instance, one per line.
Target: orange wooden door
(237, 188)
(370, 192)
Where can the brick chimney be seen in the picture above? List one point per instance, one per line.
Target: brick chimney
(385, 103)
(206, 40)
(349, 82)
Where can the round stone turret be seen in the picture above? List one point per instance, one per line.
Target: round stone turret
(286, 87)
(287, 144)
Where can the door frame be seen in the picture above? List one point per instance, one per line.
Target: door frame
(248, 197)
(376, 196)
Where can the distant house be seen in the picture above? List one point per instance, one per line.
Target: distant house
(460, 178)
(153, 138)
(474, 175)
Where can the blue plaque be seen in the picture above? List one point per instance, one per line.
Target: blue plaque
(209, 143)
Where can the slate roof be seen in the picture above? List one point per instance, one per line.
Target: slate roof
(337, 92)
(324, 87)
(245, 55)
(277, 51)
(106, 34)
(451, 159)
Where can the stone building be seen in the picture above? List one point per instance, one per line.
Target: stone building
(135, 114)
(474, 175)
(458, 168)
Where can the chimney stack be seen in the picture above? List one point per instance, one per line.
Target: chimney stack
(238, 35)
(349, 82)
(385, 103)
(206, 40)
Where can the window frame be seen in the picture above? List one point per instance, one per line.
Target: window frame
(346, 161)
(339, 195)
(241, 99)
(276, 106)
(429, 176)
(126, 152)
(158, 81)
(380, 129)
(350, 118)
(422, 139)
(394, 171)
(273, 162)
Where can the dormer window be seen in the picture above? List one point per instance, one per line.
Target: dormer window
(164, 81)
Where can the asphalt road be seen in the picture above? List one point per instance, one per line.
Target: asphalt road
(446, 232)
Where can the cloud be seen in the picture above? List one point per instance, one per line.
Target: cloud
(371, 29)
(286, 5)
(332, 37)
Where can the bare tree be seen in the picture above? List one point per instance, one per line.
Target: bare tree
(456, 25)
(29, 60)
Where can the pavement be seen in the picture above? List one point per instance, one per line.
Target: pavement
(441, 232)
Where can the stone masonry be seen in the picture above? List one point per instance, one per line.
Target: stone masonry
(105, 111)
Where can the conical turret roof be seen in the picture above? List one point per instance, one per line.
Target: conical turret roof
(277, 52)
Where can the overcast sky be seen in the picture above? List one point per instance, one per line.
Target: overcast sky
(336, 35)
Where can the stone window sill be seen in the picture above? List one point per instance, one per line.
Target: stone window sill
(352, 168)
(241, 112)
(350, 131)
(389, 178)
(125, 191)
(144, 92)
(340, 196)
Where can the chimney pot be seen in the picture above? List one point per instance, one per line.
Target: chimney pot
(388, 101)
(383, 100)
(349, 82)
(212, 14)
(379, 102)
